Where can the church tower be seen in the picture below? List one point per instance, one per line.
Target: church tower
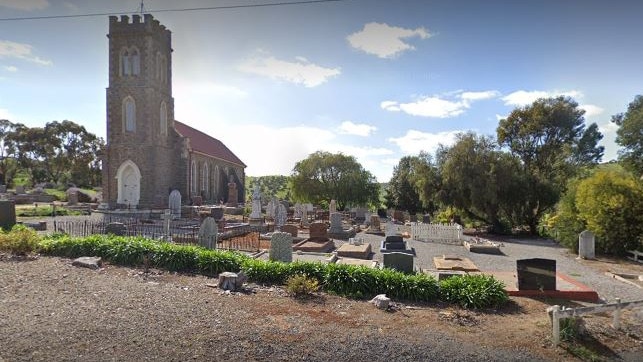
(140, 163)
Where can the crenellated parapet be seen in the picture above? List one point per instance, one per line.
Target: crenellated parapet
(123, 26)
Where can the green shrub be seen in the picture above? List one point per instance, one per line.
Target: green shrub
(20, 240)
(300, 285)
(473, 291)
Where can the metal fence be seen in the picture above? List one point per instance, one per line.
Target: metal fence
(236, 237)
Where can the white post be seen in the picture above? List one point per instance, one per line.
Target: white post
(555, 325)
(616, 322)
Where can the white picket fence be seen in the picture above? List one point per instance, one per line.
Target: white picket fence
(444, 233)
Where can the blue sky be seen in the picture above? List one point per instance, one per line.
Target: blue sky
(376, 79)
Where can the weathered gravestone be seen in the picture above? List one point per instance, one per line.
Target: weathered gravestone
(20, 189)
(233, 195)
(374, 227)
(3, 189)
(426, 219)
(116, 228)
(304, 217)
(174, 202)
(7, 214)
(256, 203)
(290, 229)
(280, 247)
(72, 196)
(281, 216)
(391, 229)
(586, 245)
(208, 233)
(271, 209)
(399, 261)
(336, 223)
(167, 221)
(536, 274)
(318, 231)
(332, 207)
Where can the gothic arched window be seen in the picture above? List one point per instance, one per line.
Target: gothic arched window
(135, 62)
(125, 62)
(163, 119)
(205, 180)
(194, 179)
(129, 114)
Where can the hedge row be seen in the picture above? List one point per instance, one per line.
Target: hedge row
(345, 280)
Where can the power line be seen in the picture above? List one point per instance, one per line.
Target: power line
(222, 7)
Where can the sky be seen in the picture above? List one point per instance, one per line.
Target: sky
(374, 79)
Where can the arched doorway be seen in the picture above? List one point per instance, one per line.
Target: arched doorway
(129, 182)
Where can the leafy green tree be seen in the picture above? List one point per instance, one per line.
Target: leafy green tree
(270, 186)
(630, 136)
(610, 204)
(479, 179)
(401, 192)
(550, 138)
(323, 176)
(8, 164)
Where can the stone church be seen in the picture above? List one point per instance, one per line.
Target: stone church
(148, 153)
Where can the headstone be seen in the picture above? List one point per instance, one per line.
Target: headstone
(391, 229)
(413, 218)
(3, 189)
(318, 231)
(290, 229)
(271, 209)
(174, 202)
(332, 207)
(72, 196)
(7, 214)
(586, 245)
(167, 220)
(536, 274)
(280, 247)
(298, 211)
(233, 195)
(116, 228)
(375, 222)
(394, 242)
(20, 189)
(304, 217)
(208, 233)
(336, 223)
(216, 213)
(197, 200)
(426, 219)
(398, 215)
(399, 261)
(256, 203)
(281, 216)
(360, 214)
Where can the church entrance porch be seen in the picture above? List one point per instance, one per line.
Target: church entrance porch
(129, 181)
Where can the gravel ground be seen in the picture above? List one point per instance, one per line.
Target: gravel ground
(515, 249)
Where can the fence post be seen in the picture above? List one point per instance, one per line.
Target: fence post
(616, 322)
(555, 322)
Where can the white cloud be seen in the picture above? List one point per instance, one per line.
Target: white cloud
(591, 110)
(384, 40)
(364, 130)
(440, 106)
(206, 89)
(9, 49)
(500, 117)
(413, 142)
(522, 98)
(11, 68)
(25, 4)
(477, 96)
(300, 71)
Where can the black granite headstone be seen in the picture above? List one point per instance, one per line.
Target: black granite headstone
(536, 274)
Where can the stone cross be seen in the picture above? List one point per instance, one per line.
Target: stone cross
(208, 233)
(167, 219)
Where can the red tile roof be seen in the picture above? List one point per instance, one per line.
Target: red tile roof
(201, 142)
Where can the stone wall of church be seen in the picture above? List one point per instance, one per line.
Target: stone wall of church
(212, 178)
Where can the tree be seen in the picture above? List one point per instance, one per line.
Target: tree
(323, 176)
(550, 138)
(8, 163)
(630, 136)
(479, 179)
(270, 186)
(610, 204)
(401, 191)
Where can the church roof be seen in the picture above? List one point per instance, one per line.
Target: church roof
(201, 142)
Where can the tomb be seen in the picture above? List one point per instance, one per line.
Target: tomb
(336, 230)
(399, 261)
(359, 251)
(395, 243)
(374, 228)
(482, 246)
(454, 263)
(318, 240)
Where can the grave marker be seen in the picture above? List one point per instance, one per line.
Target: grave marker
(208, 233)
(536, 274)
(280, 247)
(586, 244)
